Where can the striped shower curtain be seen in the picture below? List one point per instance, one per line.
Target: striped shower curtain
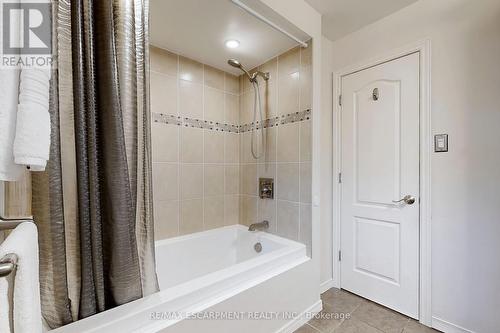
(93, 205)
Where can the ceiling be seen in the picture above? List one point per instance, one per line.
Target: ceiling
(198, 30)
(341, 17)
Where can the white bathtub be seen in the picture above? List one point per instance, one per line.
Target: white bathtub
(206, 270)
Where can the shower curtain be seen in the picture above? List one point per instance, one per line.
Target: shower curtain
(93, 205)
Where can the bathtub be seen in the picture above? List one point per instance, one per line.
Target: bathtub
(219, 274)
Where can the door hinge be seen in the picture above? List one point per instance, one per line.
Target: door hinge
(340, 177)
(340, 100)
(340, 255)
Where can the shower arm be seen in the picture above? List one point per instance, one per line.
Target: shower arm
(253, 78)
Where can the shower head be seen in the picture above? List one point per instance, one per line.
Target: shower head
(253, 77)
(234, 63)
(237, 64)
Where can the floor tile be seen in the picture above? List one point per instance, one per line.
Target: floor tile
(355, 326)
(327, 320)
(380, 317)
(415, 327)
(306, 329)
(341, 300)
(344, 312)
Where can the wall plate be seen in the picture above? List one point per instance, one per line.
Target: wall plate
(441, 143)
(266, 188)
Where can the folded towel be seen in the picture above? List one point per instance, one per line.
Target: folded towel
(9, 92)
(27, 315)
(32, 143)
(32, 140)
(6, 297)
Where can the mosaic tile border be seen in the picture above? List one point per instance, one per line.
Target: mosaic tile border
(195, 123)
(231, 128)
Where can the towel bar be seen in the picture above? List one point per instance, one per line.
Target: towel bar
(7, 264)
(9, 261)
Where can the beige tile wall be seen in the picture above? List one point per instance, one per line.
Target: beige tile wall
(17, 198)
(288, 148)
(204, 178)
(195, 171)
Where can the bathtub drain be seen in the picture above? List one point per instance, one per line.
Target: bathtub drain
(258, 247)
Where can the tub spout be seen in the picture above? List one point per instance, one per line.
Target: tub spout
(264, 225)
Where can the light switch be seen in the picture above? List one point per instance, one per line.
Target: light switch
(440, 143)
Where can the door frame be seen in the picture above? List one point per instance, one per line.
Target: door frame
(424, 49)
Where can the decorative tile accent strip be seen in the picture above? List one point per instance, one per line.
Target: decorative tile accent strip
(195, 123)
(277, 121)
(230, 128)
(166, 119)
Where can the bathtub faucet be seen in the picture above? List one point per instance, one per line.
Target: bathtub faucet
(264, 225)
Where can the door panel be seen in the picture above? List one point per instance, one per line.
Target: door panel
(377, 248)
(380, 165)
(377, 141)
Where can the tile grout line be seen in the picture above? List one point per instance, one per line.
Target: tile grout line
(203, 147)
(406, 325)
(277, 102)
(343, 319)
(240, 143)
(224, 138)
(369, 324)
(314, 328)
(256, 97)
(299, 157)
(171, 76)
(179, 210)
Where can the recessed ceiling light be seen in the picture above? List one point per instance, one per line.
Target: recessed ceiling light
(232, 43)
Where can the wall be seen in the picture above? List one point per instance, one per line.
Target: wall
(195, 148)
(286, 104)
(465, 37)
(15, 198)
(304, 17)
(206, 178)
(299, 13)
(326, 240)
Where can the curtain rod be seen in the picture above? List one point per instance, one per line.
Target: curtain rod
(268, 22)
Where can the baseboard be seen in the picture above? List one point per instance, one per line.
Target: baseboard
(324, 286)
(301, 319)
(447, 327)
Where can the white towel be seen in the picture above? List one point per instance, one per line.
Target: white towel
(23, 241)
(9, 92)
(32, 141)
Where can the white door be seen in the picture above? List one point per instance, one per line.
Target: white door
(380, 166)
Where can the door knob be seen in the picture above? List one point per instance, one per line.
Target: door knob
(408, 199)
